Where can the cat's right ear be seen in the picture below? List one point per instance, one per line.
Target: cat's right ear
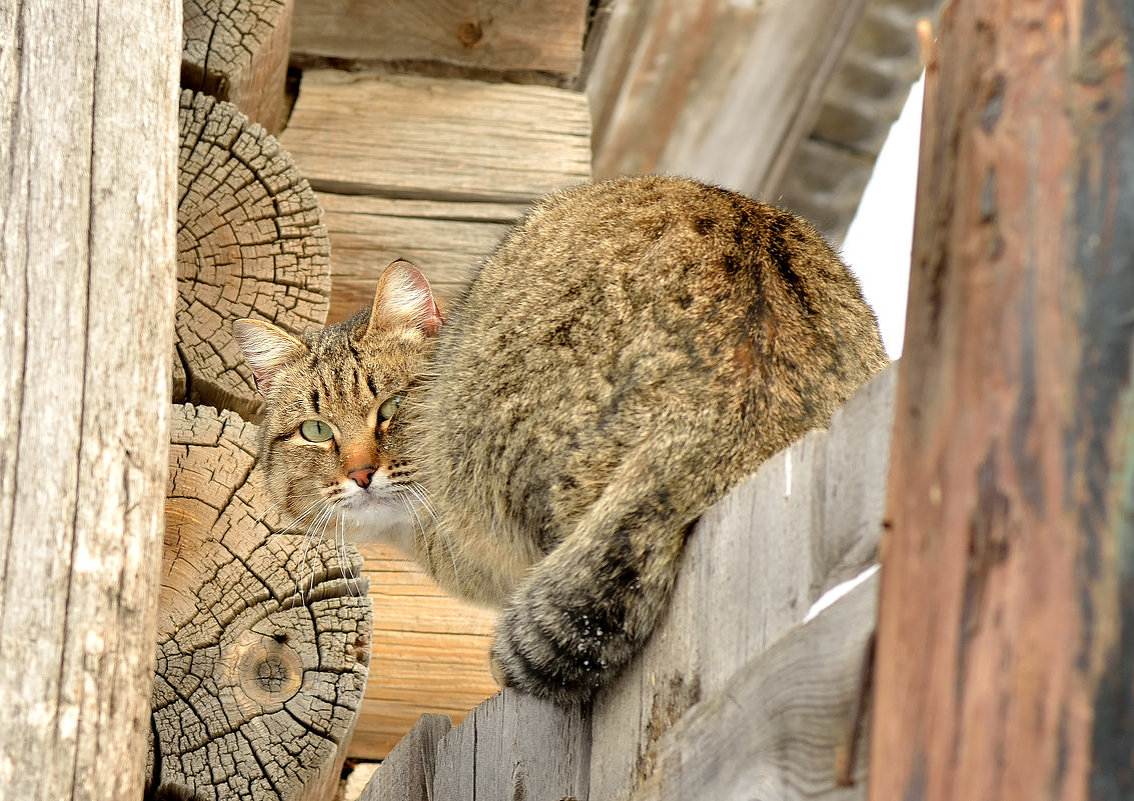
(266, 349)
(404, 302)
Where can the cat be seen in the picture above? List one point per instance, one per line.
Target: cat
(629, 352)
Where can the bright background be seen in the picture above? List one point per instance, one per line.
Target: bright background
(877, 245)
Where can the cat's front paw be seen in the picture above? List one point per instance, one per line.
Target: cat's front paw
(555, 653)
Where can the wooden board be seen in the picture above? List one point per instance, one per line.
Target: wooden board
(498, 35)
(88, 182)
(445, 240)
(809, 518)
(722, 91)
(429, 653)
(779, 723)
(414, 137)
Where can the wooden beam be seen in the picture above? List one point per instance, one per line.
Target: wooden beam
(88, 177)
(1005, 667)
(722, 91)
(473, 34)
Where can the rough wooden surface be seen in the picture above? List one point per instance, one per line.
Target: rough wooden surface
(445, 239)
(414, 137)
(263, 636)
(492, 35)
(430, 170)
(237, 50)
(514, 746)
(88, 122)
(1006, 631)
(250, 244)
(774, 729)
(809, 519)
(717, 90)
(429, 653)
(407, 773)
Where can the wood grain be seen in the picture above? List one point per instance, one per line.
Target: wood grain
(88, 123)
(774, 729)
(495, 35)
(1007, 625)
(422, 138)
(263, 635)
(446, 240)
(250, 244)
(674, 86)
(237, 50)
(407, 773)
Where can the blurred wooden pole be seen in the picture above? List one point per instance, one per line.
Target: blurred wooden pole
(88, 189)
(1006, 635)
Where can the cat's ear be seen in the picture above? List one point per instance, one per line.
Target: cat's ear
(266, 349)
(404, 301)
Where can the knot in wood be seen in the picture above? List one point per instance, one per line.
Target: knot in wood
(269, 671)
(470, 34)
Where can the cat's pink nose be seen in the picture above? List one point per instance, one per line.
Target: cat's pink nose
(362, 476)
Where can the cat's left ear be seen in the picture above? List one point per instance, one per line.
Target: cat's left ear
(266, 349)
(404, 301)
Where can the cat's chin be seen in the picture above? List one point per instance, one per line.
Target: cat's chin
(383, 518)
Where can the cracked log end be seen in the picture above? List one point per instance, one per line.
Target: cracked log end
(238, 52)
(249, 244)
(263, 637)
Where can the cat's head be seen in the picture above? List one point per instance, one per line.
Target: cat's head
(330, 443)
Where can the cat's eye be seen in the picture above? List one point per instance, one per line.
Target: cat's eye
(315, 431)
(389, 407)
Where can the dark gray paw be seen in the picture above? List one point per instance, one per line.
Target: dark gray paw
(558, 653)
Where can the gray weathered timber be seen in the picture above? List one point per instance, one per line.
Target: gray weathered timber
(414, 137)
(712, 89)
(407, 772)
(249, 244)
(88, 160)
(238, 51)
(493, 35)
(514, 746)
(809, 518)
(773, 731)
(263, 636)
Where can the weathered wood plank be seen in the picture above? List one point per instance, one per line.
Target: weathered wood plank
(498, 35)
(445, 240)
(808, 519)
(237, 51)
(407, 773)
(674, 85)
(774, 729)
(514, 746)
(429, 653)
(413, 137)
(1006, 628)
(263, 635)
(249, 244)
(88, 176)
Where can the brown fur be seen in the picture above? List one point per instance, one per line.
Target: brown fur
(631, 350)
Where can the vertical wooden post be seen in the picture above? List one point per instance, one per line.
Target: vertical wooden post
(1006, 635)
(88, 156)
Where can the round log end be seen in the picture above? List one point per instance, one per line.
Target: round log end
(250, 244)
(263, 636)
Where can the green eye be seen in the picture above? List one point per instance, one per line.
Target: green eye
(315, 431)
(389, 407)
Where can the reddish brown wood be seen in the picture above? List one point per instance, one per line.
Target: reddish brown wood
(1007, 601)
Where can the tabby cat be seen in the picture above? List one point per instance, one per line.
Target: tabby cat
(630, 351)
